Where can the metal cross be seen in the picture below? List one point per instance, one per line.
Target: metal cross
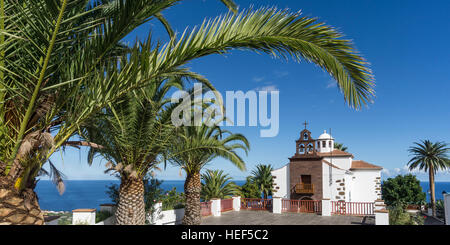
(305, 123)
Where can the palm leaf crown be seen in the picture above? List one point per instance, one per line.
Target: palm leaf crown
(134, 133)
(216, 184)
(196, 146)
(428, 155)
(62, 62)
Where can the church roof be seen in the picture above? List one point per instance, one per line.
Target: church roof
(335, 153)
(358, 164)
(330, 164)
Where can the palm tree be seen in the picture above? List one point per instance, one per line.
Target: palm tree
(196, 147)
(340, 146)
(132, 135)
(57, 74)
(262, 177)
(430, 157)
(216, 184)
(249, 189)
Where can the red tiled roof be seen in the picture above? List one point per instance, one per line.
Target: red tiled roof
(363, 165)
(89, 210)
(335, 153)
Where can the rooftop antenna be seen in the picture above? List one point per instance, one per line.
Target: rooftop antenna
(331, 159)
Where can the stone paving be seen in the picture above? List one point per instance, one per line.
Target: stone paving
(245, 217)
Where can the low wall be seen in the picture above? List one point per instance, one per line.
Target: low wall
(108, 221)
(447, 208)
(168, 217)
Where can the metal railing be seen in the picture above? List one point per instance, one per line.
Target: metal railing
(226, 205)
(302, 188)
(205, 208)
(256, 204)
(352, 208)
(301, 206)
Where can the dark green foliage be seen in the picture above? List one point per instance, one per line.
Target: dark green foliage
(173, 200)
(440, 212)
(340, 146)
(262, 177)
(216, 184)
(113, 193)
(153, 193)
(402, 190)
(102, 215)
(249, 189)
(398, 216)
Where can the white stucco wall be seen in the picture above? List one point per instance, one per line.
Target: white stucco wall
(447, 208)
(83, 218)
(281, 180)
(169, 217)
(363, 185)
(330, 191)
(326, 188)
(341, 162)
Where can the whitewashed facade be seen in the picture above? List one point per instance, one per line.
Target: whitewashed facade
(318, 171)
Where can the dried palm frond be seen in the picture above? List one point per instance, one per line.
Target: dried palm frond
(128, 168)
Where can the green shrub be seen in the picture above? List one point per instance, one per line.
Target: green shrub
(398, 216)
(402, 190)
(102, 215)
(173, 200)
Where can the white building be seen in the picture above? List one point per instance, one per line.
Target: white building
(318, 171)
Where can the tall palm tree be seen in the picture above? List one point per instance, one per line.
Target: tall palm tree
(262, 177)
(216, 184)
(63, 62)
(196, 147)
(340, 146)
(430, 157)
(58, 66)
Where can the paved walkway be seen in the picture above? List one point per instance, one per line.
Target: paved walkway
(430, 220)
(245, 217)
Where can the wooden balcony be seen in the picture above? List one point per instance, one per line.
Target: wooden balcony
(302, 188)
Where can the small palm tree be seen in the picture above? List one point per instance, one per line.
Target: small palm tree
(430, 157)
(216, 184)
(262, 177)
(196, 147)
(132, 136)
(340, 146)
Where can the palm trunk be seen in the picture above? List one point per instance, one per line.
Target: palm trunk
(131, 207)
(18, 208)
(192, 189)
(432, 190)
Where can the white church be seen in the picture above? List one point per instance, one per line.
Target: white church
(318, 171)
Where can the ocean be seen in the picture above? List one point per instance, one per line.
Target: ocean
(92, 193)
(87, 193)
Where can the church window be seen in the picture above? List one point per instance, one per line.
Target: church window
(302, 148)
(329, 143)
(305, 136)
(324, 143)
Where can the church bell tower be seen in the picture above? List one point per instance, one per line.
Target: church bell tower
(305, 145)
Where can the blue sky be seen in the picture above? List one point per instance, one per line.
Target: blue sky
(406, 43)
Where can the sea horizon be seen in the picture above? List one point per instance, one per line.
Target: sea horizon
(92, 193)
